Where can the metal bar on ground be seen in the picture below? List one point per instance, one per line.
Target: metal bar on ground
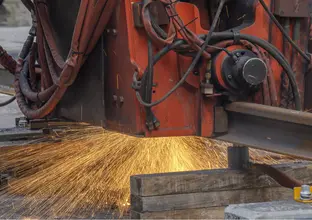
(238, 157)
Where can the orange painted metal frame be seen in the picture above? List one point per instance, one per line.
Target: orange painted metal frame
(185, 112)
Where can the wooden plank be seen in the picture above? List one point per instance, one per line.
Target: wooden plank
(212, 180)
(208, 199)
(206, 213)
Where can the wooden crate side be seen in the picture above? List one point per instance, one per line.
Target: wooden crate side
(212, 180)
(205, 213)
(207, 199)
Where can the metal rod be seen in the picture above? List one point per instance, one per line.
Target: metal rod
(238, 157)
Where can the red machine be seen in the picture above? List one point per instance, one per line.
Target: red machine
(170, 68)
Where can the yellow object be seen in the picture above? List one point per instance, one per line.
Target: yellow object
(297, 196)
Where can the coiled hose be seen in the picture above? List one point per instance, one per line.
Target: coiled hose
(224, 36)
(56, 74)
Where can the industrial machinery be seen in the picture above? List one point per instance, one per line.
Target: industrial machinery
(236, 70)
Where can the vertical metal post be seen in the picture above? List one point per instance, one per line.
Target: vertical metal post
(238, 157)
(4, 178)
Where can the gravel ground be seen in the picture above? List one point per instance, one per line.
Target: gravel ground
(8, 113)
(12, 207)
(12, 39)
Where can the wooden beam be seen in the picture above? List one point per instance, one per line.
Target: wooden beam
(212, 180)
(207, 199)
(205, 213)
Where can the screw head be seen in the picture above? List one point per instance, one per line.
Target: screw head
(305, 193)
(196, 73)
(115, 98)
(121, 99)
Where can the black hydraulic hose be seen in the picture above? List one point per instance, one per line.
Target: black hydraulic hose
(285, 34)
(150, 69)
(158, 29)
(9, 101)
(193, 64)
(296, 37)
(218, 37)
(162, 53)
(26, 89)
(148, 88)
(182, 51)
(28, 4)
(26, 47)
(284, 85)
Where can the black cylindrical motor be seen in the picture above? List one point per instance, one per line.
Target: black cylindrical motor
(239, 72)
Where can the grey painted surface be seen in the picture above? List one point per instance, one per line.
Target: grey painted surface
(12, 39)
(14, 13)
(269, 210)
(17, 207)
(14, 27)
(8, 113)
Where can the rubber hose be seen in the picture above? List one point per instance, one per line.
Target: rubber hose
(5, 103)
(273, 51)
(193, 64)
(27, 91)
(218, 37)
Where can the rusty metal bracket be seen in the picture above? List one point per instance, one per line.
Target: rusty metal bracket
(280, 177)
(220, 120)
(292, 8)
(269, 128)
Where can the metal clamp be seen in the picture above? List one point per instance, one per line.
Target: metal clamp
(303, 194)
(136, 84)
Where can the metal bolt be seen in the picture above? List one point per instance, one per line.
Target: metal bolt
(114, 32)
(157, 124)
(196, 73)
(121, 99)
(115, 98)
(305, 193)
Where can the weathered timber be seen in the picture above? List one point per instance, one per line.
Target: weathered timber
(205, 213)
(212, 180)
(207, 199)
(204, 194)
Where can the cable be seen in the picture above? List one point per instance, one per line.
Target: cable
(5, 103)
(285, 34)
(28, 4)
(57, 74)
(275, 53)
(219, 37)
(192, 66)
(148, 88)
